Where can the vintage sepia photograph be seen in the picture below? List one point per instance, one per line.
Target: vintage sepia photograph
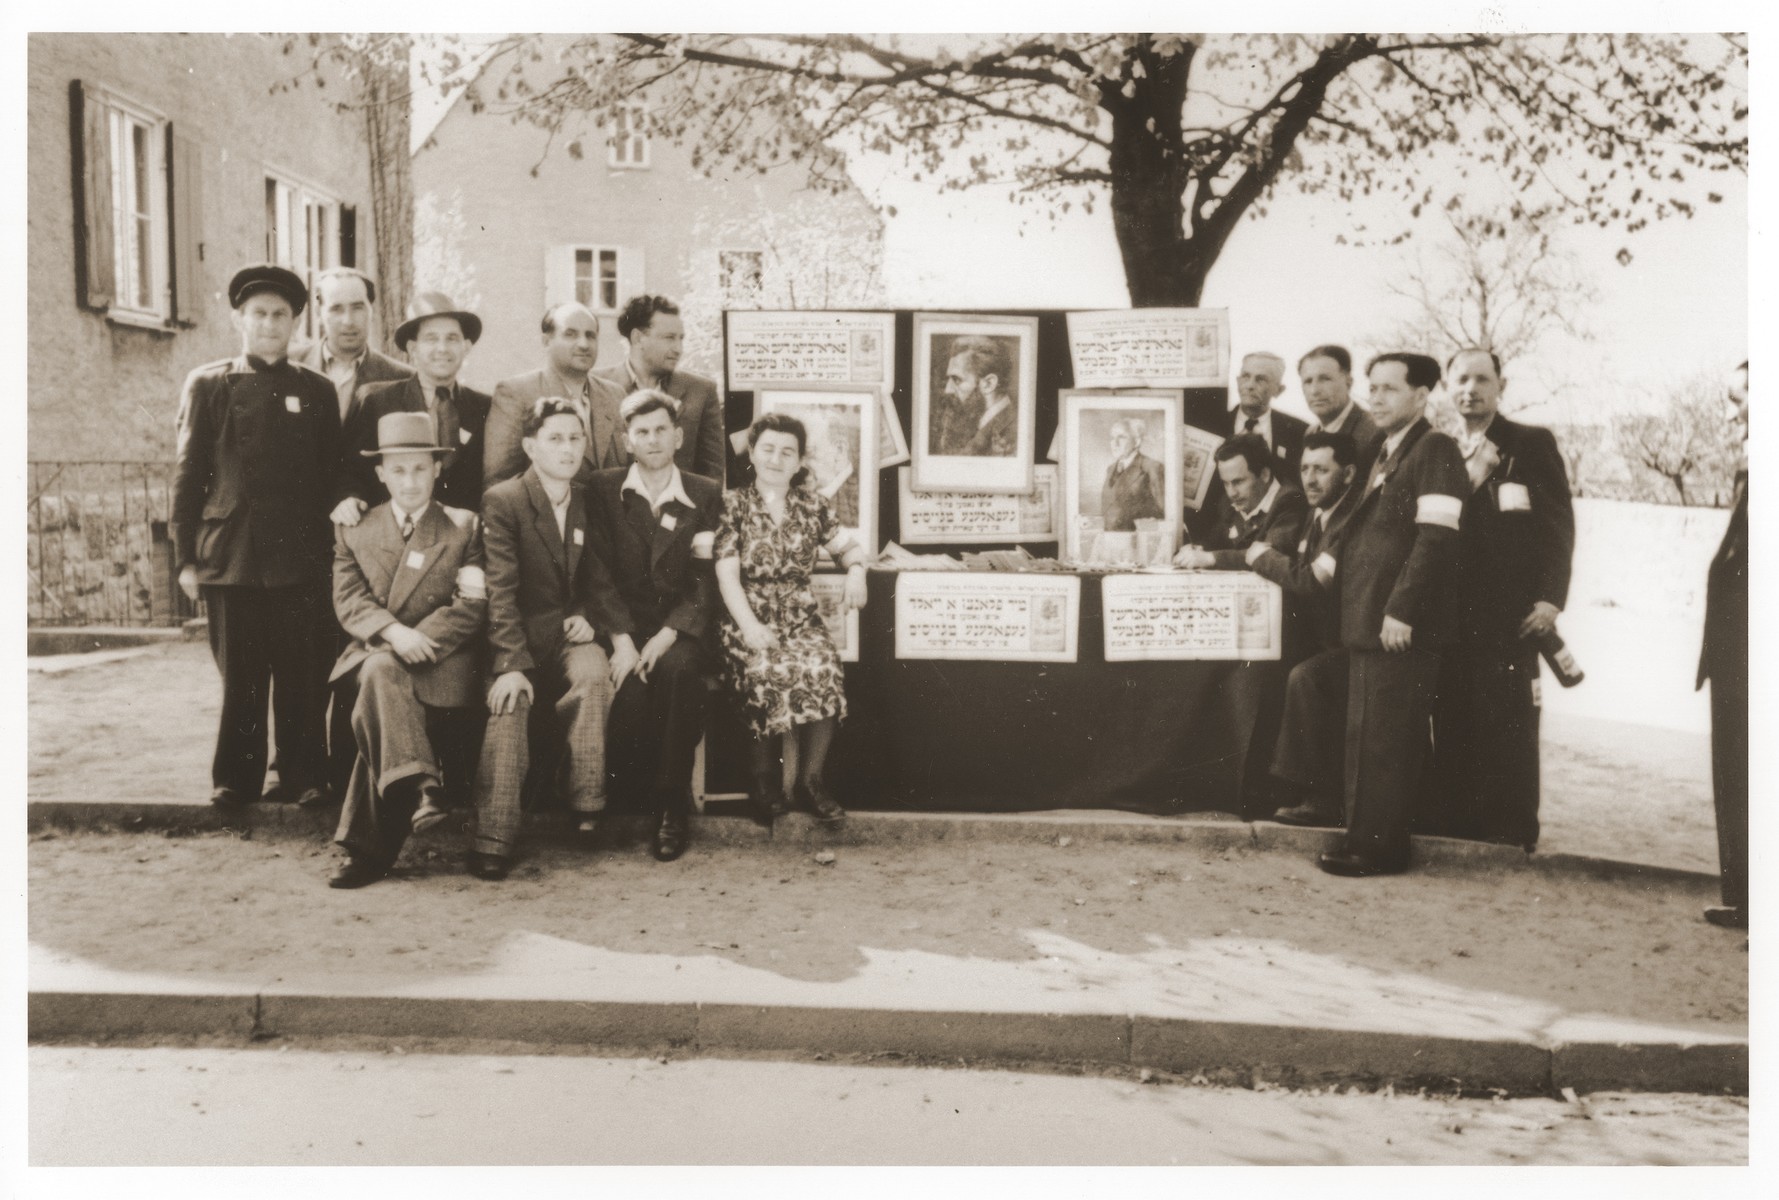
(843, 430)
(975, 402)
(1121, 469)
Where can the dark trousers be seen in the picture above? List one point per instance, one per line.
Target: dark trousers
(1485, 746)
(1389, 705)
(656, 725)
(1729, 777)
(1310, 752)
(342, 749)
(273, 646)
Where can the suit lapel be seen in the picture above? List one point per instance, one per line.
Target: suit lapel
(605, 420)
(544, 517)
(379, 552)
(662, 538)
(426, 543)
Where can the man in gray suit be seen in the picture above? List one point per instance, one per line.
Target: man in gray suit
(652, 328)
(571, 347)
(1326, 373)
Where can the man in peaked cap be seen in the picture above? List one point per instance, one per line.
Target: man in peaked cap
(410, 591)
(436, 337)
(258, 449)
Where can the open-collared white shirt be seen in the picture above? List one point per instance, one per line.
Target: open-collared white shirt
(675, 489)
(1265, 505)
(1338, 423)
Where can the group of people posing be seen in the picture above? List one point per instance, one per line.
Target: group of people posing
(518, 589)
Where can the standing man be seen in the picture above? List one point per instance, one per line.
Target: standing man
(1135, 483)
(343, 352)
(540, 625)
(1261, 381)
(258, 451)
(571, 347)
(1515, 542)
(1255, 509)
(436, 337)
(1724, 661)
(977, 417)
(1397, 613)
(1326, 373)
(1309, 756)
(409, 589)
(652, 527)
(655, 335)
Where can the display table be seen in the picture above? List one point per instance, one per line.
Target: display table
(1010, 736)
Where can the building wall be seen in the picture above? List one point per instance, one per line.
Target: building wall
(485, 222)
(98, 389)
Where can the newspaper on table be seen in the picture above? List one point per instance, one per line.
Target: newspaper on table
(765, 348)
(992, 617)
(1210, 615)
(1150, 347)
(969, 518)
(842, 622)
(899, 558)
(1199, 466)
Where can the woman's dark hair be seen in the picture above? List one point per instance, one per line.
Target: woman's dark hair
(778, 422)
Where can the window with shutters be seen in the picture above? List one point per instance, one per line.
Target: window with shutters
(629, 145)
(596, 274)
(303, 232)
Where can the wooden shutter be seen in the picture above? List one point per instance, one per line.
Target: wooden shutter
(185, 160)
(95, 270)
(349, 235)
(558, 275)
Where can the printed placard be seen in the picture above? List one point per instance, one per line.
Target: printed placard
(1150, 347)
(1208, 615)
(998, 618)
(766, 348)
(978, 518)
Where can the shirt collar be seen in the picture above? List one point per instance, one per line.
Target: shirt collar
(675, 489)
(401, 512)
(256, 363)
(1262, 423)
(329, 359)
(1336, 425)
(1395, 440)
(1265, 505)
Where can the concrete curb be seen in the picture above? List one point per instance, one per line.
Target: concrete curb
(798, 831)
(1219, 1051)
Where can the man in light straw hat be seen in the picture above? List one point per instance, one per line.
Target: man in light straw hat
(409, 590)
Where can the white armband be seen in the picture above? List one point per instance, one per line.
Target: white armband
(704, 544)
(1435, 509)
(472, 583)
(1323, 569)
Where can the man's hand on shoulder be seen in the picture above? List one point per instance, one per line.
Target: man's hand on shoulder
(348, 511)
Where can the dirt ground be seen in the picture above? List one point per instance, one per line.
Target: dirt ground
(142, 728)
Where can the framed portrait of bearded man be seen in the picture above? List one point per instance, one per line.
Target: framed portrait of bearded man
(975, 402)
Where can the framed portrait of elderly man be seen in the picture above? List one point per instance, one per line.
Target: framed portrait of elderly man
(842, 422)
(1121, 460)
(975, 402)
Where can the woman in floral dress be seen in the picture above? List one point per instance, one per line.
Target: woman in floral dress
(776, 648)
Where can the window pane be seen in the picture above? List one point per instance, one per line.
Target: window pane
(144, 288)
(583, 276)
(139, 149)
(608, 279)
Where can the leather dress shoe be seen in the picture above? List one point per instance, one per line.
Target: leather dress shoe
(1307, 816)
(671, 836)
(821, 805)
(1357, 866)
(226, 797)
(431, 809)
(1725, 917)
(356, 873)
(313, 798)
(277, 793)
(492, 867)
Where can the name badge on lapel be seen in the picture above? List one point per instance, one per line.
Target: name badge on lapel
(463, 436)
(293, 404)
(1513, 497)
(416, 559)
(580, 537)
(669, 522)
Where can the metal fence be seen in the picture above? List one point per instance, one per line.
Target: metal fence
(97, 548)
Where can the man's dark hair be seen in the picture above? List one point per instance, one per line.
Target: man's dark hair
(1493, 357)
(1423, 370)
(1249, 446)
(984, 356)
(1339, 354)
(548, 325)
(545, 408)
(639, 313)
(333, 273)
(644, 402)
(1346, 453)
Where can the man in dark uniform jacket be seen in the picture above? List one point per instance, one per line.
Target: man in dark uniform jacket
(1311, 747)
(436, 337)
(1135, 483)
(1326, 374)
(1515, 542)
(1397, 613)
(1724, 661)
(258, 450)
(651, 526)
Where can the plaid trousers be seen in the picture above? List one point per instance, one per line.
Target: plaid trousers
(579, 679)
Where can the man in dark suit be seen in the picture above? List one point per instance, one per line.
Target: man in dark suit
(540, 626)
(1255, 508)
(1260, 382)
(1326, 374)
(571, 347)
(437, 337)
(1723, 659)
(652, 526)
(258, 450)
(1310, 750)
(1135, 483)
(1515, 542)
(1397, 613)
(655, 336)
(410, 590)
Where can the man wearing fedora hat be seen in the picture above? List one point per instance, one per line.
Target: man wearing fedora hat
(257, 458)
(436, 337)
(410, 591)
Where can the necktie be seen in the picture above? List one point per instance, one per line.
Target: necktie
(1251, 425)
(445, 418)
(407, 527)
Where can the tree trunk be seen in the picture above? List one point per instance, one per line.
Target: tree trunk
(387, 120)
(1149, 176)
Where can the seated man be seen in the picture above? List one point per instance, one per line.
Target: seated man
(652, 527)
(1255, 509)
(535, 540)
(409, 591)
